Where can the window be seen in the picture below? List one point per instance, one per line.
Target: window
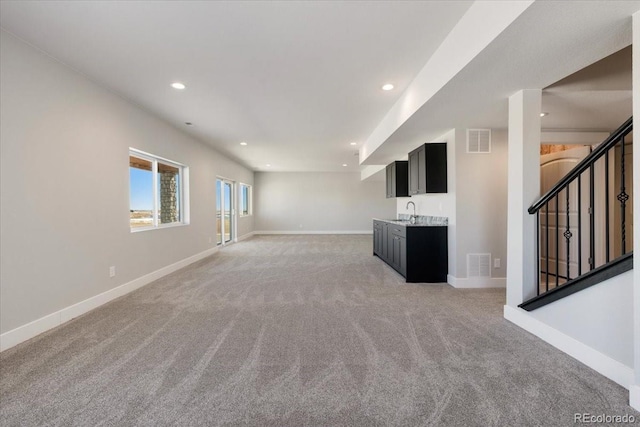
(245, 200)
(157, 192)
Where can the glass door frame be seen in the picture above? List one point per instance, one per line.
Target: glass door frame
(225, 204)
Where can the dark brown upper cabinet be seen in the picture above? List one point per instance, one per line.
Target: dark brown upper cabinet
(428, 169)
(398, 179)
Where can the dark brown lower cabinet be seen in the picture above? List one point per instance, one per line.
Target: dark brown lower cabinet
(419, 253)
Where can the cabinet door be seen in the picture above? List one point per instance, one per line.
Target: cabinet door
(384, 234)
(428, 169)
(417, 168)
(389, 247)
(413, 173)
(402, 249)
(436, 168)
(391, 180)
(422, 170)
(376, 237)
(396, 251)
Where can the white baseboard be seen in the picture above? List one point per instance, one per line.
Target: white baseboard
(22, 333)
(315, 232)
(244, 236)
(477, 282)
(597, 361)
(634, 397)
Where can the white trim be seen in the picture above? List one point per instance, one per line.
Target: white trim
(23, 333)
(233, 212)
(154, 189)
(477, 282)
(316, 232)
(159, 227)
(185, 208)
(249, 200)
(245, 236)
(634, 397)
(597, 361)
(152, 157)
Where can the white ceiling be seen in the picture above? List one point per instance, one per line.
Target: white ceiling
(299, 81)
(548, 42)
(598, 97)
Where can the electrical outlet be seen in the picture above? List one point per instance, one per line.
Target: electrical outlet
(496, 263)
(112, 271)
(300, 226)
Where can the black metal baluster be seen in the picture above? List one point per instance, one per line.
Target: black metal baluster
(557, 242)
(623, 197)
(547, 244)
(592, 224)
(580, 225)
(606, 205)
(568, 234)
(538, 253)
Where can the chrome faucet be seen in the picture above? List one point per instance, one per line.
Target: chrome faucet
(412, 218)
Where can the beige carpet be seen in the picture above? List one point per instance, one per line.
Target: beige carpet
(297, 331)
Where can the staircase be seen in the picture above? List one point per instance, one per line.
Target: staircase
(583, 223)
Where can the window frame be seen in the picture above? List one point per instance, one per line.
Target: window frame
(183, 191)
(249, 200)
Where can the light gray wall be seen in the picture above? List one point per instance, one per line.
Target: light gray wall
(318, 201)
(600, 317)
(64, 144)
(482, 203)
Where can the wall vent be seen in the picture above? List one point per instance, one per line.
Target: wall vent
(478, 140)
(478, 265)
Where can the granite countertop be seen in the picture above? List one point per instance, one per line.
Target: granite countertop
(421, 221)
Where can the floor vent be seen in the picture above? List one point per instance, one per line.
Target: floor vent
(478, 140)
(478, 265)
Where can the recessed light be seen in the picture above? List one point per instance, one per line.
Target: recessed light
(353, 143)
(268, 165)
(388, 86)
(178, 85)
(243, 143)
(544, 114)
(344, 164)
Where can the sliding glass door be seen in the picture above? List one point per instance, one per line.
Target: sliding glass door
(224, 211)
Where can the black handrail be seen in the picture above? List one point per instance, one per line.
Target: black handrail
(612, 140)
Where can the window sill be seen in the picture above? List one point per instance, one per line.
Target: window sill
(160, 227)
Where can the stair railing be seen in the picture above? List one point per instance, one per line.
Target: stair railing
(587, 233)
